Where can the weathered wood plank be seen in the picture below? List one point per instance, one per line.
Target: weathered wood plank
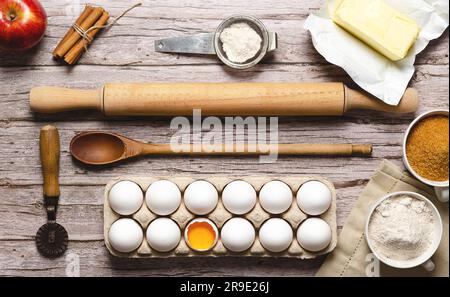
(81, 210)
(21, 165)
(132, 39)
(19, 259)
(81, 213)
(431, 82)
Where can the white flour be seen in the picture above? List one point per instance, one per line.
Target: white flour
(402, 228)
(240, 42)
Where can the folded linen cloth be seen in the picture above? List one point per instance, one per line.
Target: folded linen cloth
(352, 257)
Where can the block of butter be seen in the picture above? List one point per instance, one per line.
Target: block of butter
(377, 24)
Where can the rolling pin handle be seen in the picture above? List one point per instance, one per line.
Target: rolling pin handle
(53, 99)
(361, 100)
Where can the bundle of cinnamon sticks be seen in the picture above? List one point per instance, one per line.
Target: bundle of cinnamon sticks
(80, 35)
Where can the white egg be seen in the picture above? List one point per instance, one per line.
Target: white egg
(237, 235)
(275, 197)
(163, 235)
(163, 197)
(239, 197)
(125, 235)
(314, 234)
(201, 197)
(276, 235)
(314, 198)
(126, 197)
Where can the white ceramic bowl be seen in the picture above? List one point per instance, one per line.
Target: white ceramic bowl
(425, 258)
(441, 188)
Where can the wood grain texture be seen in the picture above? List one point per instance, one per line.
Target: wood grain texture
(131, 40)
(49, 148)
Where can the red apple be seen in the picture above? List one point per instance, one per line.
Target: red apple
(22, 24)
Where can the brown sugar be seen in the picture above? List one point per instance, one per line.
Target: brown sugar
(427, 148)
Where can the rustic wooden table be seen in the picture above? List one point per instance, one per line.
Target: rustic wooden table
(21, 212)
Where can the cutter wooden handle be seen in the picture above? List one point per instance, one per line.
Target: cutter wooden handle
(220, 99)
(49, 149)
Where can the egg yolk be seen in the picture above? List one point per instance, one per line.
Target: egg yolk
(201, 236)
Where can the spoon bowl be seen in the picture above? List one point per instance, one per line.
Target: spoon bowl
(98, 148)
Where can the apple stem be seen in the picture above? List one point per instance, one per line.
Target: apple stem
(12, 16)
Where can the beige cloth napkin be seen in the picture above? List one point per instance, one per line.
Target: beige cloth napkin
(352, 256)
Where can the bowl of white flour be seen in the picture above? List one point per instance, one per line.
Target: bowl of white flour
(404, 230)
(242, 42)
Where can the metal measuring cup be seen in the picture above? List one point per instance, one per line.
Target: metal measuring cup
(210, 44)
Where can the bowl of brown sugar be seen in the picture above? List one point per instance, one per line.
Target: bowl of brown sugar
(426, 151)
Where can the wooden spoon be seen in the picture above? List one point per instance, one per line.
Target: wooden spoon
(102, 148)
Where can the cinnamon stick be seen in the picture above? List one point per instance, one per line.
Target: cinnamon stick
(82, 32)
(80, 47)
(75, 36)
(86, 12)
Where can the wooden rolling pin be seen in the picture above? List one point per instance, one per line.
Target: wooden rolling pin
(220, 99)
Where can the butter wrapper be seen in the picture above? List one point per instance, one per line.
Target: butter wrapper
(381, 77)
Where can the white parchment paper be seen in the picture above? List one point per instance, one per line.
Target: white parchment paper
(372, 71)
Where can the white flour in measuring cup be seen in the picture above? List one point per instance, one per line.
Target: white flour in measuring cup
(240, 42)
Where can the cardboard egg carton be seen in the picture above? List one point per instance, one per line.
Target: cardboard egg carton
(294, 216)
